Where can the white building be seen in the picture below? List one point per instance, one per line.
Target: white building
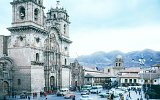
(37, 49)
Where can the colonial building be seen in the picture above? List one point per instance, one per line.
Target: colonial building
(77, 74)
(34, 55)
(129, 77)
(151, 76)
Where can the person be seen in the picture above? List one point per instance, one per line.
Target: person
(147, 97)
(28, 97)
(112, 95)
(73, 98)
(127, 97)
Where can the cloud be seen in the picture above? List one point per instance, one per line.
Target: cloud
(4, 31)
(115, 39)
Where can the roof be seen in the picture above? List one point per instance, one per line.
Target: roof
(131, 70)
(130, 75)
(156, 65)
(100, 75)
(151, 75)
(90, 69)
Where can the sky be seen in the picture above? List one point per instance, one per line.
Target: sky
(104, 25)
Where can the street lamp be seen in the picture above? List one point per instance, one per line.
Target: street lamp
(141, 61)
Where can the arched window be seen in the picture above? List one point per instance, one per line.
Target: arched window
(36, 14)
(21, 38)
(37, 56)
(39, 2)
(54, 16)
(22, 12)
(19, 81)
(64, 28)
(65, 61)
(119, 64)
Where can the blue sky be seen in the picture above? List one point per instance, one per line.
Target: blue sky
(105, 25)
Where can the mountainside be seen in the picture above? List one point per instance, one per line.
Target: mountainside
(103, 59)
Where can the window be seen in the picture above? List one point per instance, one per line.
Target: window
(19, 81)
(135, 81)
(146, 81)
(5, 75)
(36, 14)
(65, 61)
(130, 80)
(37, 57)
(65, 48)
(119, 64)
(87, 79)
(64, 28)
(22, 12)
(21, 38)
(155, 80)
(37, 40)
(126, 81)
(39, 2)
(54, 16)
(116, 64)
(108, 70)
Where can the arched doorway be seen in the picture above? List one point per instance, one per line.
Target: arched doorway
(5, 87)
(52, 83)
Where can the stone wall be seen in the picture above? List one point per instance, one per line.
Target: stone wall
(1, 45)
(37, 78)
(66, 77)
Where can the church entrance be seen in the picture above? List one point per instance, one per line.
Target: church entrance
(5, 87)
(52, 83)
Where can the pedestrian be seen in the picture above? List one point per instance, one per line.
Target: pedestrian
(127, 97)
(28, 97)
(136, 91)
(112, 95)
(147, 97)
(139, 92)
(45, 94)
(74, 98)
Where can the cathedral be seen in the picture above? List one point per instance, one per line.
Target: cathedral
(32, 58)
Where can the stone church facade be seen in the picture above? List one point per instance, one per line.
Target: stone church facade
(33, 56)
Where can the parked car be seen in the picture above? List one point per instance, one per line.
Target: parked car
(85, 92)
(86, 87)
(22, 96)
(72, 88)
(104, 94)
(69, 95)
(96, 89)
(62, 91)
(85, 97)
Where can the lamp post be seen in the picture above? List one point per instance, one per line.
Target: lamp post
(141, 61)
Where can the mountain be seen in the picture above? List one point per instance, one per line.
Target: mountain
(131, 59)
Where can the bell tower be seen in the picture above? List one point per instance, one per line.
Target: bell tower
(27, 12)
(26, 45)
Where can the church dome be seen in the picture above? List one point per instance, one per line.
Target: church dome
(119, 57)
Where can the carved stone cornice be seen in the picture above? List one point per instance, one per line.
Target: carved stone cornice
(28, 27)
(22, 1)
